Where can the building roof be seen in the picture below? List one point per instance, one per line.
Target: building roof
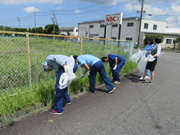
(173, 30)
(100, 21)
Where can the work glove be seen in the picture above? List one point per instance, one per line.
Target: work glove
(66, 69)
(82, 75)
(115, 67)
(89, 73)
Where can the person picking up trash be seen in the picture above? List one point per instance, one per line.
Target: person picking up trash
(93, 65)
(116, 62)
(59, 63)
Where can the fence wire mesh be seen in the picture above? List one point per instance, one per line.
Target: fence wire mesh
(22, 55)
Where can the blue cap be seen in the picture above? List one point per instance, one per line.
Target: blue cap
(45, 66)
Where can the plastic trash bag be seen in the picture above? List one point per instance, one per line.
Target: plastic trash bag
(135, 57)
(66, 78)
(150, 58)
(142, 64)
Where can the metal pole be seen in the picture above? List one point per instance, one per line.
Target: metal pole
(35, 20)
(140, 21)
(28, 58)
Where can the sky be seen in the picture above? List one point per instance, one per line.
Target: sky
(31, 13)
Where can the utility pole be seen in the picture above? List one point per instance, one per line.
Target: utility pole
(140, 21)
(35, 20)
(18, 19)
(54, 21)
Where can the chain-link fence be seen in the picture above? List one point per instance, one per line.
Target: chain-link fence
(22, 55)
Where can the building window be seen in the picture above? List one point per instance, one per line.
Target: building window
(128, 38)
(154, 27)
(145, 25)
(114, 38)
(130, 24)
(115, 25)
(168, 41)
(77, 30)
(91, 26)
(102, 26)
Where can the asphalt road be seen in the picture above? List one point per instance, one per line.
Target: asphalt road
(133, 109)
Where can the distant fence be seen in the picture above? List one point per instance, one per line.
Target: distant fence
(22, 54)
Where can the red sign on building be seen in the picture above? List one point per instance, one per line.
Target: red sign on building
(113, 19)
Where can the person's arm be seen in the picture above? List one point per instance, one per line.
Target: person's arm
(158, 51)
(116, 61)
(109, 70)
(87, 68)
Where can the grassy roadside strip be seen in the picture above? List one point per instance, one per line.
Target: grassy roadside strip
(42, 95)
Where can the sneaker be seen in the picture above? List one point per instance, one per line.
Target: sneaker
(69, 103)
(141, 78)
(147, 77)
(111, 91)
(117, 82)
(149, 83)
(54, 112)
(143, 81)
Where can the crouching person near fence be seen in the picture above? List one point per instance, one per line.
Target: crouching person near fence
(93, 65)
(58, 64)
(116, 62)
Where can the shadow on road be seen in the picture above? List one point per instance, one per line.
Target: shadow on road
(133, 77)
(101, 90)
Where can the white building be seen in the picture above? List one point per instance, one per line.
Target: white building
(72, 30)
(129, 30)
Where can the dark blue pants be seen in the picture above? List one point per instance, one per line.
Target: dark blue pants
(99, 67)
(61, 94)
(115, 73)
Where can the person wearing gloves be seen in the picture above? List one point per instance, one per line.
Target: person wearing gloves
(58, 63)
(93, 65)
(155, 52)
(116, 62)
(147, 51)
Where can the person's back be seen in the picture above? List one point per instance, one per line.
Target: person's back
(90, 60)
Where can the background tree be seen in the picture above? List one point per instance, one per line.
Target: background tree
(152, 36)
(50, 30)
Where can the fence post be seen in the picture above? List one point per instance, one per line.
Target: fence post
(81, 44)
(28, 59)
(111, 45)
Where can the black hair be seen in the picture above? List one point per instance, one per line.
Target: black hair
(158, 40)
(75, 57)
(150, 40)
(103, 59)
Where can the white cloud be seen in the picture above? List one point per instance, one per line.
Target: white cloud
(129, 7)
(176, 8)
(101, 2)
(14, 2)
(171, 22)
(31, 9)
(77, 11)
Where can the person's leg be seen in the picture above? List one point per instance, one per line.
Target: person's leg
(59, 95)
(145, 72)
(152, 76)
(92, 78)
(117, 70)
(148, 73)
(103, 75)
(66, 97)
(59, 100)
